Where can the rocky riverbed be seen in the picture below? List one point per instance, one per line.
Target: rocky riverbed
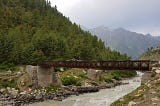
(102, 98)
(18, 89)
(23, 98)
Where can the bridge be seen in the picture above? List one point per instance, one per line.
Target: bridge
(43, 73)
(143, 65)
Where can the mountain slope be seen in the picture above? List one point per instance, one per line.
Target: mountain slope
(155, 37)
(33, 31)
(124, 41)
(151, 54)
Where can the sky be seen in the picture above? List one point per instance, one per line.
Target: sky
(142, 16)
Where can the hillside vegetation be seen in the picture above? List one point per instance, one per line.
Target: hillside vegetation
(151, 54)
(32, 31)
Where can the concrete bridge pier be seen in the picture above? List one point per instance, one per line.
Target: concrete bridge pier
(47, 76)
(42, 76)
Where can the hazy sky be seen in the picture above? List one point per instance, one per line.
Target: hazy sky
(136, 15)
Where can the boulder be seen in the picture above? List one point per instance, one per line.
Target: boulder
(131, 103)
(157, 76)
(157, 71)
(87, 89)
(93, 74)
(56, 79)
(154, 99)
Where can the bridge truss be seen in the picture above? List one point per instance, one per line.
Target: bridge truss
(143, 65)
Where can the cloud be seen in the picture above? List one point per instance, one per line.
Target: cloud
(130, 14)
(62, 6)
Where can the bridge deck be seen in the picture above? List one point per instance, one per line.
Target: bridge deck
(143, 65)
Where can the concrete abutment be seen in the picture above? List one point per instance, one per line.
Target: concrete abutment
(42, 76)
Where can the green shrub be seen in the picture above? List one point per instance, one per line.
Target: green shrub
(70, 80)
(153, 74)
(5, 68)
(94, 83)
(57, 69)
(116, 77)
(108, 80)
(123, 74)
(78, 83)
(83, 76)
(6, 83)
(51, 89)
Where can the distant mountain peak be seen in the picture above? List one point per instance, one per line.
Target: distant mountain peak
(149, 35)
(125, 41)
(121, 29)
(102, 28)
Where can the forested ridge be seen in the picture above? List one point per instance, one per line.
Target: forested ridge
(32, 31)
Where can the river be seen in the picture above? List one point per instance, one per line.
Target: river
(102, 98)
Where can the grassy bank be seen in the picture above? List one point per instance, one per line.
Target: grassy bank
(8, 68)
(136, 94)
(145, 95)
(9, 80)
(78, 77)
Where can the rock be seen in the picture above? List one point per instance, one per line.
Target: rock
(154, 99)
(84, 72)
(137, 95)
(86, 84)
(19, 73)
(157, 71)
(35, 91)
(139, 91)
(39, 96)
(75, 76)
(8, 88)
(131, 103)
(121, 99)
(93, 74)
(2, 90)
(154, 68)
(61, 69)
(153, 92)
(56, 79)
(149, 85)
(22, 68)
(87, 89)
(124, 83)
(29, 90)
(14, 92)
(23, 93)
(57, 99)
(154, 103)
(157, 76)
